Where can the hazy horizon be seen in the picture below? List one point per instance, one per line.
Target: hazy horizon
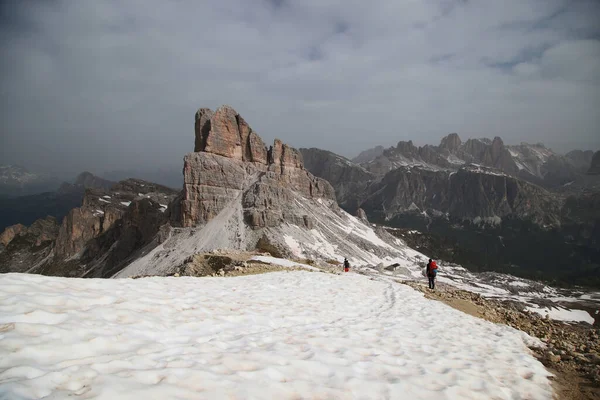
(106, 85)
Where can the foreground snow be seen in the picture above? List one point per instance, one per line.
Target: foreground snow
(280, 336)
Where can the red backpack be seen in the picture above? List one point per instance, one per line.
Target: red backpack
(433, 268)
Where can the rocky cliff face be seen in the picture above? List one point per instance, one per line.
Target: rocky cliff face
(23, 249)
(595, 164)
(225, 133)
(348, 178)
(87, 180)
(475, 194)
(101, 233)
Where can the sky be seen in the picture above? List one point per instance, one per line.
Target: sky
(110, 84)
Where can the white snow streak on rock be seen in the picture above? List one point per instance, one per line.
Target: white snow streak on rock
(293, 245)
(282, 262)
(280, 335)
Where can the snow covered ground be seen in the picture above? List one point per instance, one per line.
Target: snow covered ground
(284, 335)
(568, 305)
(559, 304)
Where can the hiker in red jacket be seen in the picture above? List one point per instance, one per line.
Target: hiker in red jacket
(431, 273)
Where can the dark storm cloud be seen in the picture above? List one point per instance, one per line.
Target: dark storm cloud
(114, 84)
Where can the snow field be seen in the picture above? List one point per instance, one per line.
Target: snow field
(283, 335)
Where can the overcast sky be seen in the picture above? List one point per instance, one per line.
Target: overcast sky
(108, 84)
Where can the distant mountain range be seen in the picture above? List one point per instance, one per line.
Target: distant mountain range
(531, 162)
(18, 181)
(171, 177)
(55, 203)
(519, 209)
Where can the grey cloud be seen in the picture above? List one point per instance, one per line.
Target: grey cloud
(108, 84)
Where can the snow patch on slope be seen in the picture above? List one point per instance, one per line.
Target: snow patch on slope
(563, 314)
(265, 337)
(535, 296)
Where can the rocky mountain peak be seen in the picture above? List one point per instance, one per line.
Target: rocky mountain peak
(225, 133)
(407, 149)
(230, 158)
(451, 142)
(497, 142)
(88, 180)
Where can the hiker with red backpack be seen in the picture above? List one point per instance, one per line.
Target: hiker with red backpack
(431, 273)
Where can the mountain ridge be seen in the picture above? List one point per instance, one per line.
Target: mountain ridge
(488, 210)
(532, 162)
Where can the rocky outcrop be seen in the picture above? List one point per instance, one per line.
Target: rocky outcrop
(209, 183)
(473, 149)
(10, 233)
(407, 149)
(143, 224)
(257, 148)
(498, 156)
(451, 143)
(25, 248)
(101, 211)
(42, 230)
(79, 226)
(362, 215)
(87, 180)
(231, 161)
(595, 164)
(225, 133)
(202, 128)
(94, 238)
